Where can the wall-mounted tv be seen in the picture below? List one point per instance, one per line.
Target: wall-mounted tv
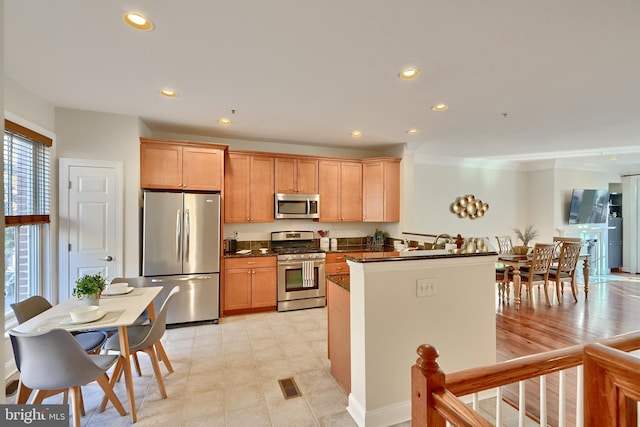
(588, 206)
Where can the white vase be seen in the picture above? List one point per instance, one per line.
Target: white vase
(90, 300)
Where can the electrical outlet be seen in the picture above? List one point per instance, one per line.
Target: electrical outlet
(426, 287)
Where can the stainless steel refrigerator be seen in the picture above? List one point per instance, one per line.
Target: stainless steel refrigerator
(181, 246)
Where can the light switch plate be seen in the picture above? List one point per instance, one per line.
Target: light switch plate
(426, 287)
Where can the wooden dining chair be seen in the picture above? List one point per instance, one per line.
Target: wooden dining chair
(502, 274)
(566, 267)
(541, 258)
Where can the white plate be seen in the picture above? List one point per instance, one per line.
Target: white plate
(67, 320)
(123, 292)
(244, 252)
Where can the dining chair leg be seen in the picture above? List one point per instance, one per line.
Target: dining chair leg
(136, 363)
(546, 292)
(573, 289)
(23, 393)
(81, 399)
(162, 355)
(115, 376)
(107, 387)
(156, 370)
(75, 405)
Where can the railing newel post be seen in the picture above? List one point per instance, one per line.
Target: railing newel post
(426, 377)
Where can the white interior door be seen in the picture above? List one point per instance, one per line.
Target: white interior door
(90, 220)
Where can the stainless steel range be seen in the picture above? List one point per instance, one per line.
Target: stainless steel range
(301, 281)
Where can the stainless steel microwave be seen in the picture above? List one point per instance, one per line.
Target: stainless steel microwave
(297, 206)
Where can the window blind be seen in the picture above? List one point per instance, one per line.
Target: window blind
(26, 176)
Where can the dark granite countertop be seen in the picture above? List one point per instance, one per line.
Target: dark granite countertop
(252, 253)
(361, 248)
(395, 256)
(342, 280)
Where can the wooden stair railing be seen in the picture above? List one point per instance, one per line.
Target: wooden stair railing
(436, 396)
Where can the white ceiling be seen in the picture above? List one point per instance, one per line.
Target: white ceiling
(565, 72)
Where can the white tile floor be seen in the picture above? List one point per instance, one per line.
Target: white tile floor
(226, 375)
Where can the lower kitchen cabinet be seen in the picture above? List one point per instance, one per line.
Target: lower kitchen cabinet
(336, 263)
(339, 333)
(250, 284)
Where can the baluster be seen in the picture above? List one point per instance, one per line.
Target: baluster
(475, 401)
(561, 399)
(580, 397)
(499, 406)
(543, 400)
(521, 404)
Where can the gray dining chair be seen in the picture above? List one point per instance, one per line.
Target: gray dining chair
(55, 360)
(145, 338)
(90, 341)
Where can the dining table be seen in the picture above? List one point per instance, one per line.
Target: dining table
(115, 311)
(516, 262)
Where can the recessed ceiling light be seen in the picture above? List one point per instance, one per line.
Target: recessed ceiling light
(439, 107)
(613, 158)
(409, 73)
(169, 93)
(137, 21)
(413, 131)
(225, 121)
(356, 133)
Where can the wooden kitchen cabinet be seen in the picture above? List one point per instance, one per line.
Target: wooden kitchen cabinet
(381, 190)
(249, 284)
(296, 175)
(340, 190)
(249, 188)
(339, 333)
(173, 165)
(336, 263)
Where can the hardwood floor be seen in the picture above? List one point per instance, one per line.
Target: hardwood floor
(611, 308)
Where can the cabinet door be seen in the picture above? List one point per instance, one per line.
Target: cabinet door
(307, 176)
(237, 289)
(263, 287)
(160, 166)
(373, 192)
(285, 169)
(201, 169)
(236, 188)
(350, 191)
(329, 177)
(392, 191)
(261, 189)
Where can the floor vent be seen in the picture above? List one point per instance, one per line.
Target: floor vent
(289, 388)
(11, 388)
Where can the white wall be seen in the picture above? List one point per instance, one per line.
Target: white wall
(427, 206)
(90, 135)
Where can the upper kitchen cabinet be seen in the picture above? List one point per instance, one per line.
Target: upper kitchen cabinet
(381, 190)
(173, 165)
(248, 188)
(296, 175)
(340, 190)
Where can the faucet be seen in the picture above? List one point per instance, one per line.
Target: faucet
(446, 236)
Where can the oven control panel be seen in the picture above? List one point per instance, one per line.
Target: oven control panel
(302, 257)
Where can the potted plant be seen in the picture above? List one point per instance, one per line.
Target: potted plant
(525, 237)
(89, 287)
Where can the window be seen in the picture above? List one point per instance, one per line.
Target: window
(26, 210)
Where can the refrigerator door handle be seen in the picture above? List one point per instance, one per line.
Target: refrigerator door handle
(187, 234)
(180, 279)
(178, 234)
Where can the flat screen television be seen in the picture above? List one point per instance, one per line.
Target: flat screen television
(588, 206)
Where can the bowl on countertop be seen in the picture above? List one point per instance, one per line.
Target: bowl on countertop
(85, 313)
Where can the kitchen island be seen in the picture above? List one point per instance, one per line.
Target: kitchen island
(390, 318)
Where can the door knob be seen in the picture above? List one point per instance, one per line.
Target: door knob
(108, 258)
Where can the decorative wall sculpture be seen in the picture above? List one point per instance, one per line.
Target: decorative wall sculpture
(468, 206)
